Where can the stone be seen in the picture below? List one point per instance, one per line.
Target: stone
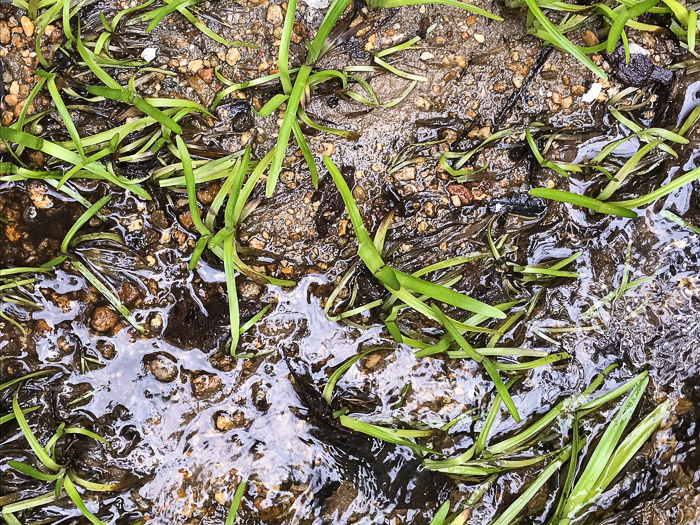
(4, 33)
(195, 65)
(27, 26)
(205, 385)
(233, 56)
(163, 368)
(274, 15)
(590, 38)
(103, 319)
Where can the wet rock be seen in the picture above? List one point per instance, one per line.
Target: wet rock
(460, 191)
(163, 367)
(250, 290)
(106, 349)
(205, 385)
(104, 319)
(159, 220)
(129, 294)
(341, 499)
(233, 56)
(207, 194)
(27, 26)
(590, 38)
(238, 114)
(640, 71)
(226, 422)
(274, 505)
(518, 204)
(206, 74)
(259, 391)
(274, 15)
(4, 33)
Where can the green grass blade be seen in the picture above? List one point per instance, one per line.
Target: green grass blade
(448, 296)
(236, 503)
(340, 371)
(85, 217)
(34, 473)
(230, 271)
(75, 496)
(584, 489)
(31, 439)
(511, 513)
(623, 17)
(382, 433)
(561, 41)
(609, 208)
(441, 514)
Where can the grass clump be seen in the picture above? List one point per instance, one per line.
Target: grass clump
(63, 476)
(606, 456)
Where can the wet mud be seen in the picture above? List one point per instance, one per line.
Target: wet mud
(187, 422)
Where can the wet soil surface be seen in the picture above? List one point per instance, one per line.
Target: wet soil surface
(187, 422)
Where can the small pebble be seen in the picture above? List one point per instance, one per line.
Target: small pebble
(27, 26)
(195, 65)
(103, 319)
(233, 56)
(149, 53)
(274, 15)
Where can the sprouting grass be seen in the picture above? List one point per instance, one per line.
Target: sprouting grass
(305, 80)
(236, 502)
(679, 221)
(63, 476)
(236, 190)
(606, 460)
(614, 16)
(583, 201)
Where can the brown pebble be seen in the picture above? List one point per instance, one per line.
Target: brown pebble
(13, 233)
(159, 220)
(556, 98)
(7, 118)
(4, 33)
(206, 74)
(500, 87)
(207, 194)
(27, 26)
(274, 15)
(206, 385)
(103, 319)
(11, 100)
(590, 38)
(578, 89)
(186, 220)
(163, 367)
(359, 194)
(462, 192)
(224, 423)
(233, 56)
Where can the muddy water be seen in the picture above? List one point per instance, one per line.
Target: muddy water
(187, 422)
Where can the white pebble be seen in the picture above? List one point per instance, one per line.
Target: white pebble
(149, 53)
(592, 93)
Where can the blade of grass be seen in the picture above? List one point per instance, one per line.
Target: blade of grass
(85, 217)
(609, 208)
(31, 439)
(236, 502)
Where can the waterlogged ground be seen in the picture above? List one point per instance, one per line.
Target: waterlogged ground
(187, 421)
